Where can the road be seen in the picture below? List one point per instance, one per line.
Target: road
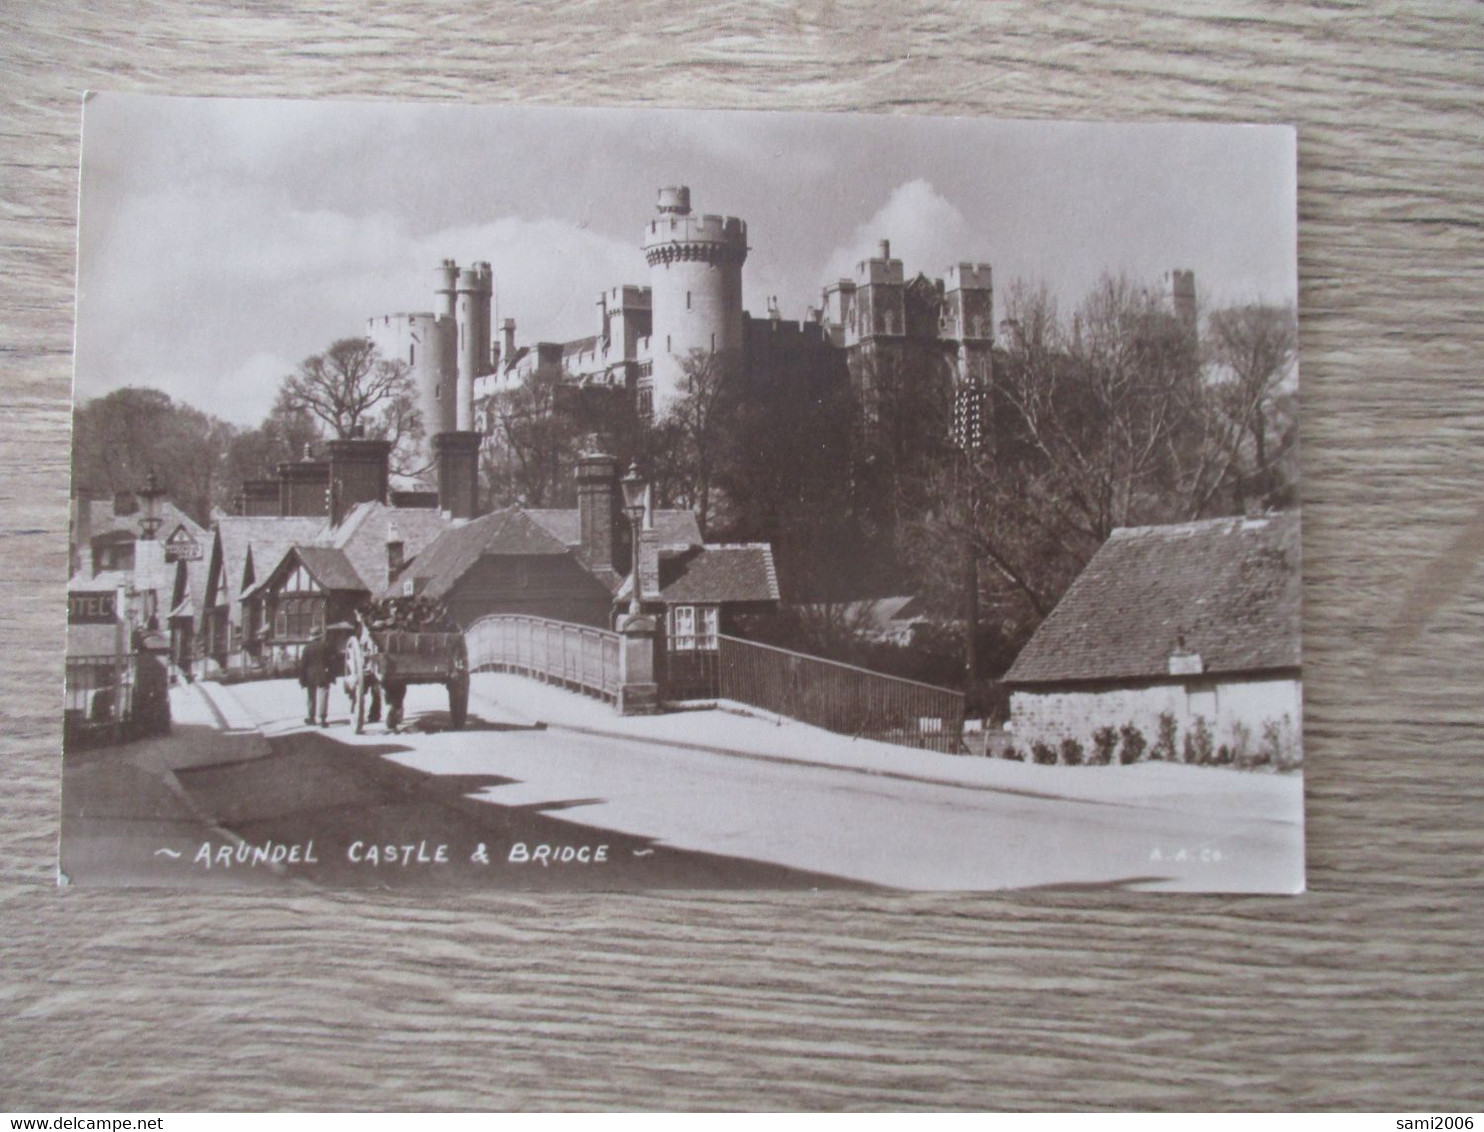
(570, 804)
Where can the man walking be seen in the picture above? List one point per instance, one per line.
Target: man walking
(316, 670)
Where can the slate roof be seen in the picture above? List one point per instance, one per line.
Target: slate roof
(721, 573)
(1231, 587)
(677, 530)
(449, 556)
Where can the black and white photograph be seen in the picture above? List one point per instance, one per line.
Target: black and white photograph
(523, 498)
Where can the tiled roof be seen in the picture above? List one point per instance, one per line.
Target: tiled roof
(738, 573)
(449, 556)
(102, 520)
(268, 536)
(678, 530)
(330, 568)
(1230, 587)
(363, 537)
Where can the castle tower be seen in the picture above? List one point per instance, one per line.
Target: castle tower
(447, 289)
(969, 308)
(424, 343)
(472, 315)
(880, 298)
(1179, 288)
(695, 277)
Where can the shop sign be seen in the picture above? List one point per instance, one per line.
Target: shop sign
(181, 547)
(99, 608)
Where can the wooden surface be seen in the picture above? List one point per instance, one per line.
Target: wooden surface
(1366, 992)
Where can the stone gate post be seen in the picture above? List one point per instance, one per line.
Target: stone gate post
(639, 690)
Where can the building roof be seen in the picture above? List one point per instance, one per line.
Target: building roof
(1229, 587)
(102, 520)
(104, 581)
(268, 537)
(718, 574)
(330, 568)
(364, 533)
(678, 530)
(449, 556)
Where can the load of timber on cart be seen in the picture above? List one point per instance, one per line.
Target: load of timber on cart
(401, 641)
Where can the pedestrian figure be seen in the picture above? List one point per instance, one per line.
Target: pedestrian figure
(316, 670)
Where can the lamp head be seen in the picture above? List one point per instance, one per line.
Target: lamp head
(633, 493)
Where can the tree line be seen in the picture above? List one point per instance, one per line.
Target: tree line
(348, 390)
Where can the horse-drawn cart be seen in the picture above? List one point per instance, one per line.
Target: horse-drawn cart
(382, 659)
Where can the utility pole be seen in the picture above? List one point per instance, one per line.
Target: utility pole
(968, 436)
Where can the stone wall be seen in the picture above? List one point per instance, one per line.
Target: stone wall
(1227, 706)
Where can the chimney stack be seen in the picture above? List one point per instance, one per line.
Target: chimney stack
(507, 329)
(457, 455)
(259, 497)
(395, 553)
(358, 474)
(649, 551)
(598, 508)
(304, 487)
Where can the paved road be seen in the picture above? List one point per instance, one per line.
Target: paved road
(222, 801)
(691, 816)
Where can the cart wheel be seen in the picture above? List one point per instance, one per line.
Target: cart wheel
(458, 703)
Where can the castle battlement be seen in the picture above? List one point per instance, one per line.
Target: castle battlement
(711, 238)
(627, 297)
(969, 277)
(411, 318)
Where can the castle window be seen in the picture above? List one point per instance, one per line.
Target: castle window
(411, 354)
(687, 300)
(667, 343)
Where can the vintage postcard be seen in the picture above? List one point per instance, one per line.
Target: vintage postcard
(529, 498)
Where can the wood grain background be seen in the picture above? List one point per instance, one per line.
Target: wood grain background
(1366, 992)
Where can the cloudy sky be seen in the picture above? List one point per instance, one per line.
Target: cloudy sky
(222, 241)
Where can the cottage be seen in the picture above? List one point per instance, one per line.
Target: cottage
(1197, 623)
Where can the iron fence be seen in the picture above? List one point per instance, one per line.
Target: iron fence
(840, 697)
(114, 698)
(577, 656)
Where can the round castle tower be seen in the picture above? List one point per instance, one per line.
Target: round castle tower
(474, 287)
(695, 279)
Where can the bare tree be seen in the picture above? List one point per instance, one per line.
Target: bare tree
(692, 431)
(351, 390)
(534, 441)
(1254, 351)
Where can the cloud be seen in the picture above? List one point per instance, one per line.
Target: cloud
(213, 292)
(927, 233)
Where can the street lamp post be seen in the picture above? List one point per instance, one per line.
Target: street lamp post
(633, 498)
(150, 521)
(149, 497)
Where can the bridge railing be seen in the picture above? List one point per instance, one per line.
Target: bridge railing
(577, 656)
(840, 697)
